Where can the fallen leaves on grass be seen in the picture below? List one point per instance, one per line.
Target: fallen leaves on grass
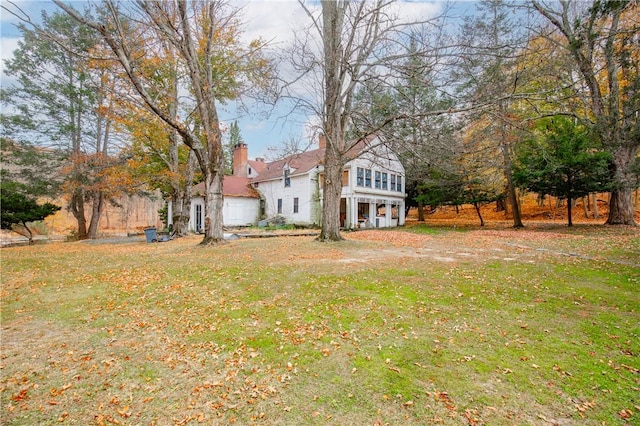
(625, 414)
(200, 337)
(396, 238)
(520, 234)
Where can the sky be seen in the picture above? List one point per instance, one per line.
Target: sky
(273, 20)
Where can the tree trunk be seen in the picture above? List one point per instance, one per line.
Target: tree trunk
(211, 161)
(213, 219)
(477, 207)
(511, 189)
(96, 214)
(585, 206)
(76, 204)
(180, 214)
(621, 208)
(596, 214)
(181, 187)
(29, 233)
(569, 211)
(332, 26)
(420, 212)
(332, 191)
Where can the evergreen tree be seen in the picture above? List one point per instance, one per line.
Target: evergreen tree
(235, 138)
(18, 209)
(425, 142)
(563, 161)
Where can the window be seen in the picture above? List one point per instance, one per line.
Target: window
(360, 177)
(399, 185)
(345, 178)
(378, 180)
(367, 178)
(287, 179)
(295, 205)
(393, 183)
(198, 218)
(384, 181)
(279, 205)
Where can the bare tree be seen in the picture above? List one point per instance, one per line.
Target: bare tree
(294, 144)
(206, 39)
(348, 44)
(602, 39)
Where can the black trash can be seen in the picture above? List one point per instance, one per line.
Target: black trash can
(151, 235)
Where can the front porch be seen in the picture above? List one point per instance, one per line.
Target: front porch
(359, 212)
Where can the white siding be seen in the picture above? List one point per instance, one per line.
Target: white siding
(301, 187)
(383, 207)
(237, 211)
(390, 201)
(386, 206)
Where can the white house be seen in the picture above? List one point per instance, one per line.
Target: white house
(372, 189)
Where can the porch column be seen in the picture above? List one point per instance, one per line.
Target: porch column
(353, 213)
(373, 213)
(387, 213)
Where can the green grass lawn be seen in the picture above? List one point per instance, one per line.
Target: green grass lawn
(463, 328)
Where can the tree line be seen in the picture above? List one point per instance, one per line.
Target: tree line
(532, 96)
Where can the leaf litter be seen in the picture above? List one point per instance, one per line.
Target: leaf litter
(203, 338)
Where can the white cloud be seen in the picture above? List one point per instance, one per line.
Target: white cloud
(277, 20)
(411, 11)
(273, 20)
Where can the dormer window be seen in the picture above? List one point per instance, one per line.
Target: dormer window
(287, 179)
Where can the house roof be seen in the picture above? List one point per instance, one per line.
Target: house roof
(298, 164)
(303, 162)
(258, 166)
(232, 186)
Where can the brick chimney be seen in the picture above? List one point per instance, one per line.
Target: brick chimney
(240, 160)
(322, 141)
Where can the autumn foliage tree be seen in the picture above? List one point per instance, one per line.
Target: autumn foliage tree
(219, 67)
(59, 101)
(601, 38)
(489, 78)
(157, 158)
